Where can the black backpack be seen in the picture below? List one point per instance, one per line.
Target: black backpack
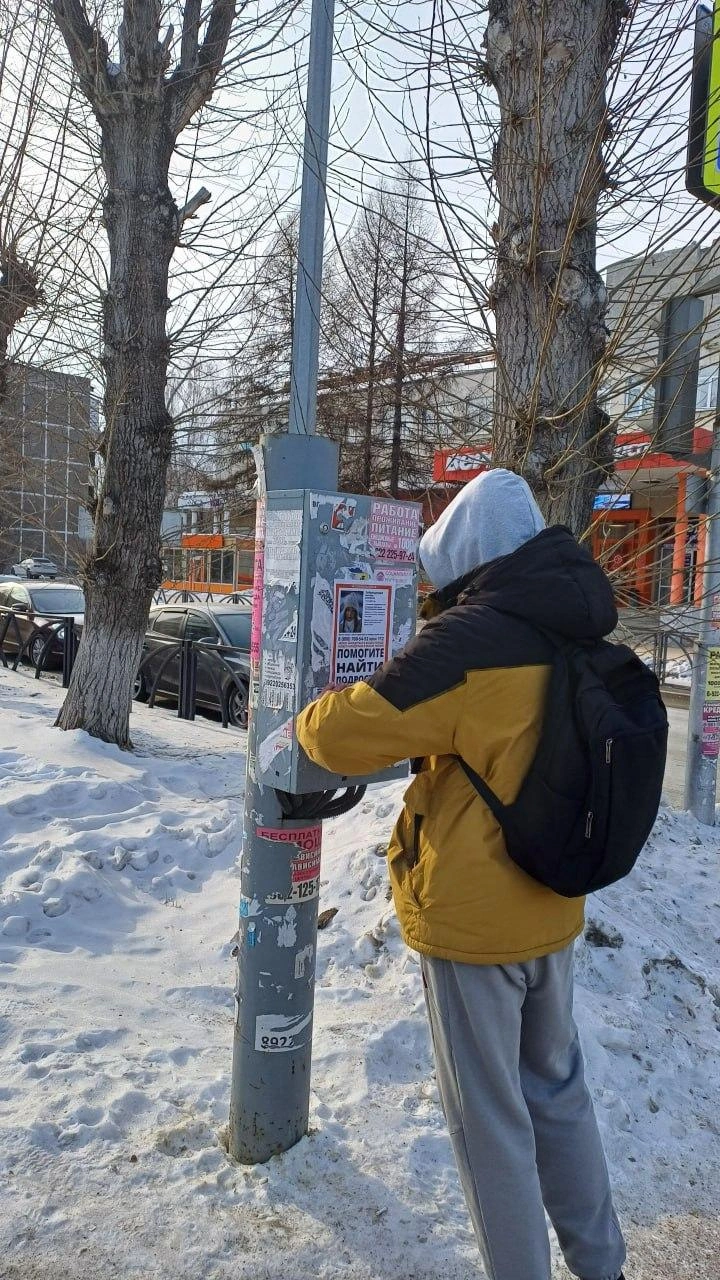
(591, 795)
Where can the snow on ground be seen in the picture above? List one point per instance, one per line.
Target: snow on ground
(118, 899)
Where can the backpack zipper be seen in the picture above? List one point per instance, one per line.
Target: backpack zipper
(591, 816)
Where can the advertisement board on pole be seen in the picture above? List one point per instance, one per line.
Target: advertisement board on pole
(702, 174)
(339, 599)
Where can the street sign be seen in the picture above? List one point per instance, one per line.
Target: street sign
(702, 176)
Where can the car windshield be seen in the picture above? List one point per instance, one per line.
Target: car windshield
(68, 600)
(236, 627)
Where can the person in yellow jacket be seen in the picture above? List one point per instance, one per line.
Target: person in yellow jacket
(495, 945)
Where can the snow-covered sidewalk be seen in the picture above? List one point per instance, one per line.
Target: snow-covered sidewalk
(118, 901)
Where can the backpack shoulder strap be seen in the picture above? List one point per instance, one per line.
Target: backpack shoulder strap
(562, 647)
(486, 793)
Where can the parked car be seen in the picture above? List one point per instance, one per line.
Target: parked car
(37, 567)
(35, 607)
(220, 628)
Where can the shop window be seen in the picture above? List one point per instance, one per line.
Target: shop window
(174, 560)
(706, 388)
(639, 398)
(246, 563)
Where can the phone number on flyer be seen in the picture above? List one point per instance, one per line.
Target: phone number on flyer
(396, 553)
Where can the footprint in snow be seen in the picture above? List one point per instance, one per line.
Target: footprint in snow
(36, 1052)
(22, 807)
(15, 927)
(384, 810)
(56, 906)
(48, 857)
(146, 858)
(89, 1040)
(30, 878)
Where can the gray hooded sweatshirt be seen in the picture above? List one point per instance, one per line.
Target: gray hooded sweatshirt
(492, 516)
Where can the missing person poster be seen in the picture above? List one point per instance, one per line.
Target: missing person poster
(362, 624)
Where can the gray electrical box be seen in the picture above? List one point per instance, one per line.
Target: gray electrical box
(339, 598)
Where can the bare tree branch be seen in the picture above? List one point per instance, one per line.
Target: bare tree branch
(88, 52)
(190, 36)
(191, 89)
(144, 58)
(19, 292)
(189, 210)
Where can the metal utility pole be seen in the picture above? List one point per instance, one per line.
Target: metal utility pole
(277, 938)
(703, 181)
(703, 746)
(306, 331)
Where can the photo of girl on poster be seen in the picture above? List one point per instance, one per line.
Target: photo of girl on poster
(349, 613)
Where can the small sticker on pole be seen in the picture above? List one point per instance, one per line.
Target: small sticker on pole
(283, 533)
(710, 744)
(304, 864)
(343, 514)
(306, 838)
(281, 1033)
(710, 734)
(712, 683)
(270, 746)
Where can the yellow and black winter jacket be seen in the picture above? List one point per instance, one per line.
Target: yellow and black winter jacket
(471, 684)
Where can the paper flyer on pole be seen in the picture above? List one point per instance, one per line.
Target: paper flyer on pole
(362, 624)
(710, 733)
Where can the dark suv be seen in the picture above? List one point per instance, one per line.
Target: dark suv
(38, 608)
(222, 636)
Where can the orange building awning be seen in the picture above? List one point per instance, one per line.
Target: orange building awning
(202, 541)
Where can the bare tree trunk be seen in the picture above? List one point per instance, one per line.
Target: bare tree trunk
(367, 471)
(399, 377)
(142, 226)
(140, 111)
(550, 63)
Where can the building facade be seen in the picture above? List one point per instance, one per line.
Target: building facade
(48, 437)
(646, 530)
(650, 534)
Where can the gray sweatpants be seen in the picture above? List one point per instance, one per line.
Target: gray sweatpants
(511, 1081)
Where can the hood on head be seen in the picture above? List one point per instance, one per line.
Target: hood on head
(491, 517)
(351, 601)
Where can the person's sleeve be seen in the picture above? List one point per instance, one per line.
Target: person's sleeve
(410, 707)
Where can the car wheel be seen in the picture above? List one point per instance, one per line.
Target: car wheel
(237, 706)
(36, 647)
(141, 692)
